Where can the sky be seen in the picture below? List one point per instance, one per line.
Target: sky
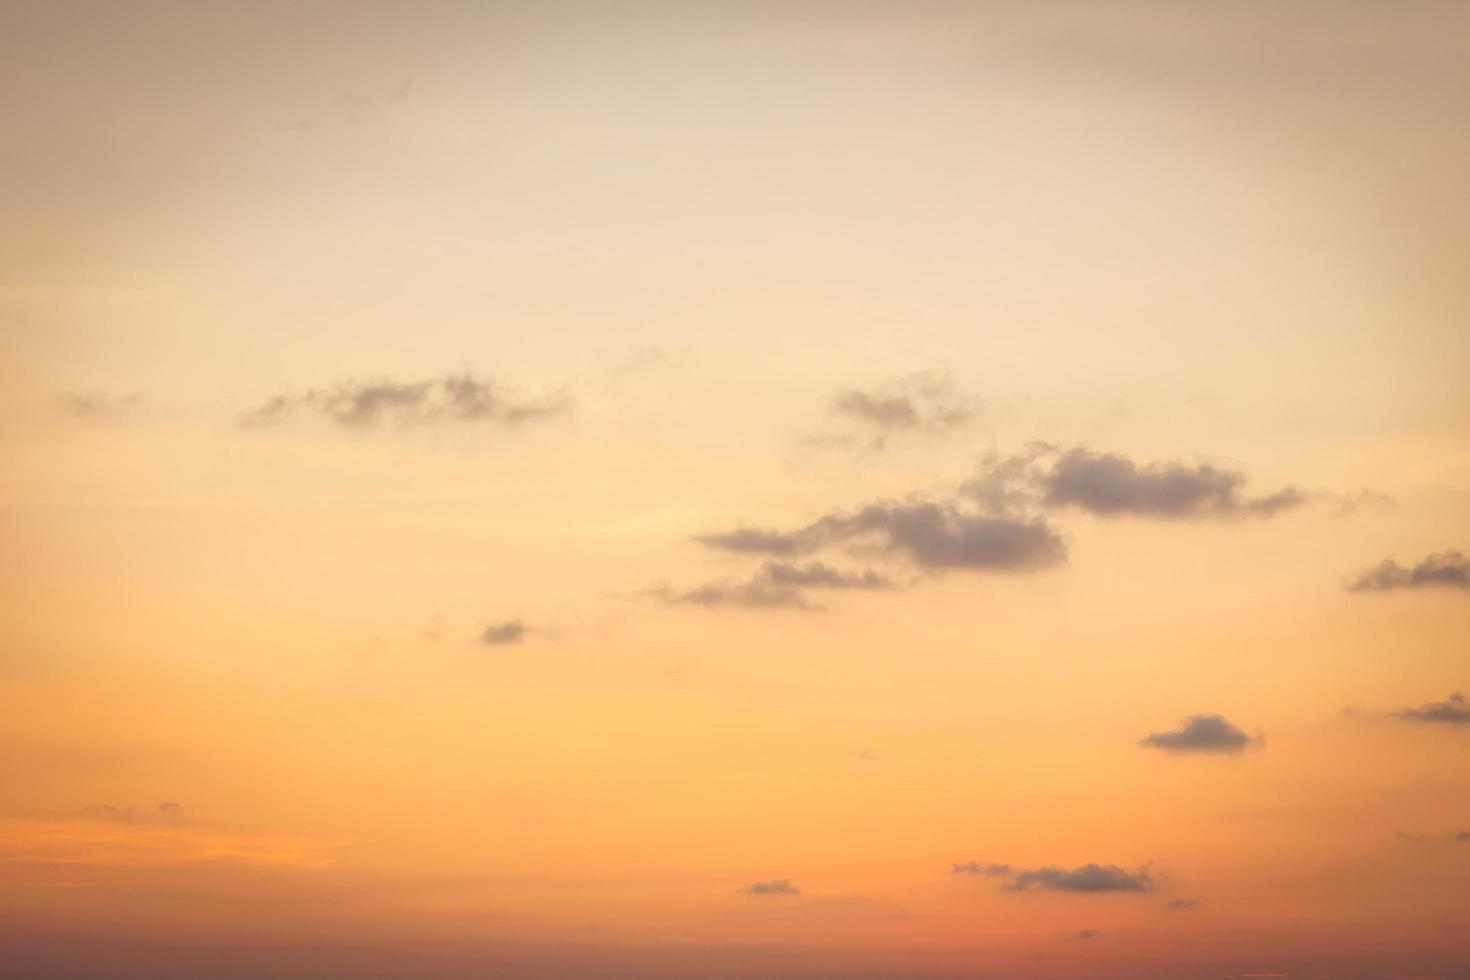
(714, 490)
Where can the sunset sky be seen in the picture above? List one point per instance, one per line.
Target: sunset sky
(731, 490)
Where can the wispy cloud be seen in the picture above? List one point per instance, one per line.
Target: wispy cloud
(1443, 570)
(780, 886)
(1453, 710)
(97, 404)
(777, 585)
(923, 404)
(1087, 879)
(368, 404)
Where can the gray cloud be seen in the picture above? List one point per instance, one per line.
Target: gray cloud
(1088, 879)
(1113, 485)
(976, 869)
(924, 403)
(1462, 836)
(1182, 904)
(933, 535)
(1201, 733)
(504, 634)
(95, 404)
(780, 886)
(360, 405)
(1453, 710)
(1445, 569)
(776, 585)
(1087, 933)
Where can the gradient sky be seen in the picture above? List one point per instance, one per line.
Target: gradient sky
(713, 490)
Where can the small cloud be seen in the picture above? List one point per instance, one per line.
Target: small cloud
(978, 870)
(776, 585)
(1453, 710)
(780, 886)
(1462, 837)
(504, 634)
(171, 809)
(364, 405)
(1087, 934)
(865, 755)
(97, 404)
(1182, 904)
(1113, 485)
(1202, 733)
(924, 403)
(1444, 570)
(1087, 879)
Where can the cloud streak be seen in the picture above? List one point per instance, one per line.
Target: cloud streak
(1443, 570)
(777, 585)
(1453, 710)
(361, 405)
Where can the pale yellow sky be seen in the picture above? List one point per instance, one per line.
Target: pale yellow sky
(383, 384)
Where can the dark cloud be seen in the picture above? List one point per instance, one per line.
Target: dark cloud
(95, 404)
(1201, 733)
(780, 886)
(360, 405)
(1462, 836)
(1110, 485)
(1087, 933)
(919, 403)
(504, 634)
(1445, 570)
(976, 869)
(1182, 904)
(1089, 879)
(933, 535)
(1453, 710)
(1113, 485)
(776, 585)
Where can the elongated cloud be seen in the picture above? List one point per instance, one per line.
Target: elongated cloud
(1201, 733)
(1088, 879)
(781, 886)
(977, 870)
(360, 405)
(1114, 485)
(95, 404)
(1453, 710)
(777, 585)
(1443, 570)
(1182, 904)
(932, 535)
(504, 634)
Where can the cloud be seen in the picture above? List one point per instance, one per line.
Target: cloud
(776, 585)
(1087, 879)
(932, 535)
(924, 403)
(1182, 904)
(1113, 485)
(504, 634)
(1462, 837)
(976, 869)
(95, 404)
(1445, 569)
(1453, 710)
(362, 405)
(1201, 733)
(1087, 933)
(780, 886)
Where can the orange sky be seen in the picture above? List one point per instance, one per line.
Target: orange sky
(730, 490)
